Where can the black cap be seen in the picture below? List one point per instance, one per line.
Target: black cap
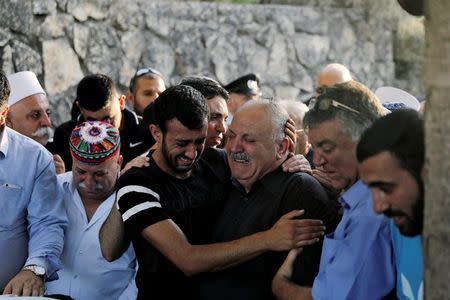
(247, 84)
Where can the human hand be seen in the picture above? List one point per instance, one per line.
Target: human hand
(139, 162)
(60, 167)
(296, 163)
(25, 283)
(289, 130)
(288, 232)
(287, 267)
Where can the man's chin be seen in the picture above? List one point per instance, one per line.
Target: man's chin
(410, 229)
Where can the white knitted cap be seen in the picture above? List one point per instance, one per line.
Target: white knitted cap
(390, 95)
(23, 84)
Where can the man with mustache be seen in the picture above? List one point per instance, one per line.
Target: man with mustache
(29, 112)
(88, 195)
(260, 193)
(32, 216)
(391, 154)
(357, 258)
(168, 209)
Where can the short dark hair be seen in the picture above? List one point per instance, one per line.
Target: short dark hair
(5, 90)
(182, 102)
(402, 134)
(354, 95)
(207, 86)
(95, 91)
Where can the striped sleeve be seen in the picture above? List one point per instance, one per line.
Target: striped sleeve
(138, 204)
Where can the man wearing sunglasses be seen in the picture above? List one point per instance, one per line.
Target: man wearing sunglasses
(145, 87)
(357, 258)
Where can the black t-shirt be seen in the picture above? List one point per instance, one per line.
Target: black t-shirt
(135, 138)
(149, 195)
(274, 195)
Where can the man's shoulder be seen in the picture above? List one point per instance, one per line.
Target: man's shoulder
(20, 144)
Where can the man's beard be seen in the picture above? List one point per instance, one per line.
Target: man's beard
(413, 225)
(172, 162)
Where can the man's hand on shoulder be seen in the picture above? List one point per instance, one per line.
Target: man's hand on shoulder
(138, 162)
(25, 283)
(296, 163)
(289, 232)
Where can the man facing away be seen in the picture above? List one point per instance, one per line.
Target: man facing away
(261, 192)
(169, 208)
(391, 154)
(98, 100)
(33, 219)
(88, 193)
(357, 258)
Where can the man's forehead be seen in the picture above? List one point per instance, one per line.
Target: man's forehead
(33, 101)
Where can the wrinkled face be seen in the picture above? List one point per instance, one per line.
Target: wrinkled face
(251, 150)
(111, 114)
(235, 101)
(335, 152)
(395, 192)
(181, 147)
(146, 90)
(96, 181)
(217, 126)
(31, 117)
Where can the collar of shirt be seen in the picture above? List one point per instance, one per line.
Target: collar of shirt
(350, 199)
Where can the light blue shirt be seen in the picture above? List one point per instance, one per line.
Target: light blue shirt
(409, 261)
(32, 216)
(357, 259)
(85, 274)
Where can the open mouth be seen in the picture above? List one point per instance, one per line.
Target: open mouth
(240, 157)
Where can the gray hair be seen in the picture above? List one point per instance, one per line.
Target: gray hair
(276, 112)
(296, 111)
(354, 95)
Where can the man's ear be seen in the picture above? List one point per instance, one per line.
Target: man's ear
(283, 148)
(130, 98)
(122, 102)
(156, 132)
(120, 161)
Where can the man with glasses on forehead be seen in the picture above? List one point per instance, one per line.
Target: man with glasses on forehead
(99, 100)
(145, 87)
(357, 259)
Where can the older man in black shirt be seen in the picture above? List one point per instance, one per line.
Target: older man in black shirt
(261, 193)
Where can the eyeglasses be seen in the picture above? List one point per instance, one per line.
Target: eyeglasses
(144, 71)
(324, 104)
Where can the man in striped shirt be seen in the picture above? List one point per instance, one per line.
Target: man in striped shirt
(169, 208)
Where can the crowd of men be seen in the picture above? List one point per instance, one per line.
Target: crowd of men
(209, 191)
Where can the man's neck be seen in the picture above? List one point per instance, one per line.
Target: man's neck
(91, 205)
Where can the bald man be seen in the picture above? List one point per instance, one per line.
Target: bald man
(332, 74)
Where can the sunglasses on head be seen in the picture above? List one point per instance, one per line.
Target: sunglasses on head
(325, 104)
(145, 71)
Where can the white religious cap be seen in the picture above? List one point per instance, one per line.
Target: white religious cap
(394, 98)
(22, 85)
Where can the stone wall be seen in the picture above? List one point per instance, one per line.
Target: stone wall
(63, 40)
